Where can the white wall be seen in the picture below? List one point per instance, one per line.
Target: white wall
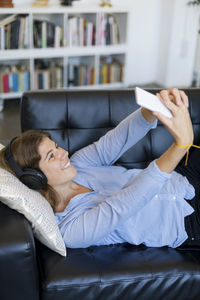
(143, 41)
(178, 37)
(162, 40)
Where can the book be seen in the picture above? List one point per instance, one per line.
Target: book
(15, 77)
(50, 34)
(70, 75)
(57, 36)
(26, 33)
(37, 33)
(8, 20)
(14, 34)
(26, 81)
(89, 37)
(10, 82)
(5, 83)
(81, 31)
(44, 34)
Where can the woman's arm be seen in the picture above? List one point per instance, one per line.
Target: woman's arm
(180, 127)
(116, 141)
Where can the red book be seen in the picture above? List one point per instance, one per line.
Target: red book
(5, 83)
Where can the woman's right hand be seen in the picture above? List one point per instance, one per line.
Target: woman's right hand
(180, 125)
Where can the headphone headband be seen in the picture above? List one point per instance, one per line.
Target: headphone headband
(10, 159)
(33, 178)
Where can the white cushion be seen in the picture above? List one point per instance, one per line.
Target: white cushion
(34, 207)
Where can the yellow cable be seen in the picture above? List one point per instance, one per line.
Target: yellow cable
(188, 149)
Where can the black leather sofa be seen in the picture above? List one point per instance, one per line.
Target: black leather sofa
(30, 271)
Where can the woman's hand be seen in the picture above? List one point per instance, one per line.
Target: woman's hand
(176, 96)
(180, 125)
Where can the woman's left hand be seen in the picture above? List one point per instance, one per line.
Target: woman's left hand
(180, 125)
(175, 95)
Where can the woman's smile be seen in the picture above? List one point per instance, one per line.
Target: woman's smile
(67, 165)
(55, 163)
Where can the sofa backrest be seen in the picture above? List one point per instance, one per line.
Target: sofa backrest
(76, 118)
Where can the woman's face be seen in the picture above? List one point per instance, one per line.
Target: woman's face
(55, 163)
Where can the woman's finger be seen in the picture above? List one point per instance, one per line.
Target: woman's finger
(184, 98)
(166, 100)
(176, 93)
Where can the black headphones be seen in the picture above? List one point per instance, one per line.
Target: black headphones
(32, 178)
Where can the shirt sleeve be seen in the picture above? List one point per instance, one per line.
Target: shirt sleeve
(115, 142)
(96, 223)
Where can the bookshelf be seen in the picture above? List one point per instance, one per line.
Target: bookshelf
(61, 47)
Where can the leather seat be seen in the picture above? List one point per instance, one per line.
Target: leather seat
(29, 270)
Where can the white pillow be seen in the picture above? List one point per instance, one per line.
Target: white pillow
(34, 207)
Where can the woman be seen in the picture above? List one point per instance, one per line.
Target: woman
(96, 203)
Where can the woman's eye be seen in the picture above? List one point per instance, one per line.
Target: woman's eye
(51, 156)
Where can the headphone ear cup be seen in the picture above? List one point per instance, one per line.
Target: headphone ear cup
(33, 178)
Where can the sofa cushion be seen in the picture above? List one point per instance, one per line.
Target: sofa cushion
(120, 272)
(34, 207)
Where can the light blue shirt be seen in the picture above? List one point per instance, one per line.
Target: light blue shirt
(136, 206)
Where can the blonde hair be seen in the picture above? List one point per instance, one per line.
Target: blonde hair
(25, 152)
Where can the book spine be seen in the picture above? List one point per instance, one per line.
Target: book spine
(15, 82)
(26, 81)
(5, 83)
(10, 82)
(44, 34)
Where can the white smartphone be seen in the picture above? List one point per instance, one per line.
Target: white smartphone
(151, 102)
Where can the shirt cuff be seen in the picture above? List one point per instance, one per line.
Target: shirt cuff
(146, 123)
(157, 173)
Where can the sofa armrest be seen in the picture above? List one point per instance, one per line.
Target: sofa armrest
(18, 266)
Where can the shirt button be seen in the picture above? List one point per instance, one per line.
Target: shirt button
(174, 197)
(192, 238)
(100, 193)
(156, 196)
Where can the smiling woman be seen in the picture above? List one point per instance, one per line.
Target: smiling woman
(44, 166)
(56, 166)
(55, 163)
(98, 203)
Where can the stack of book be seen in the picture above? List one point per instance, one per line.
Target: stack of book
(80, 32)
(47, 34)
(14, 79)
(80, 75)
(40, 3)
(14, 32)
(48, 76)
(107, 30)
(6, 3)
(110, 71)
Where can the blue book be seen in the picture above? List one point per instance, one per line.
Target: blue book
(15, 82)
(26, 81)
